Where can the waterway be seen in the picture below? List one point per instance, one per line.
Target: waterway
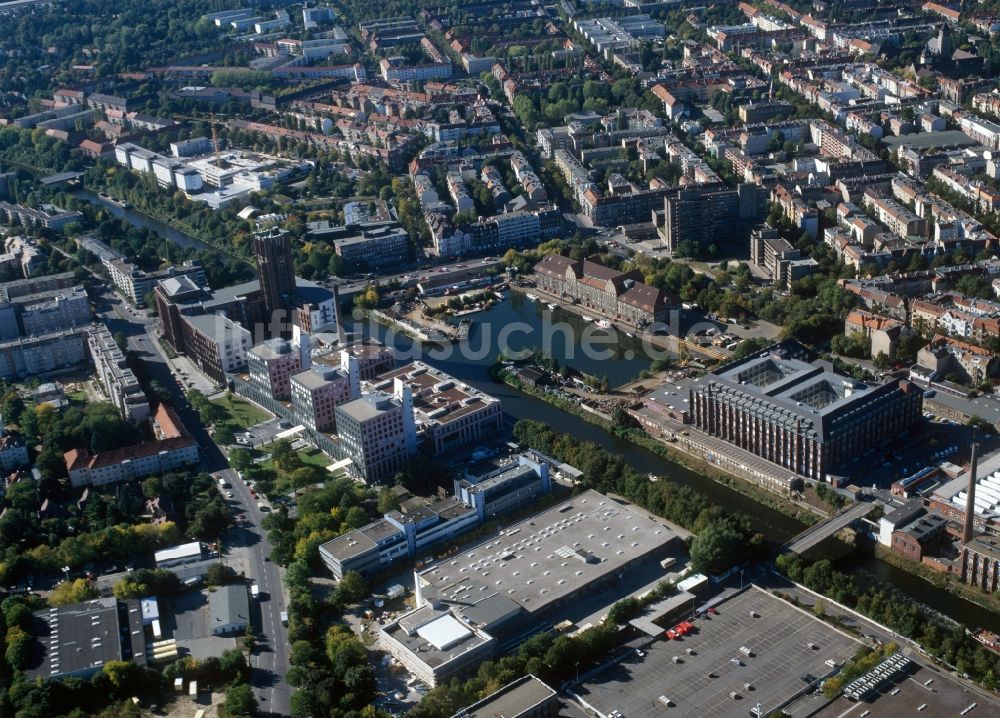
(472, 368)
(140, 219)
(525, 324)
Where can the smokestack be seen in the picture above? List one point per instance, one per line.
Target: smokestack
(970, 499)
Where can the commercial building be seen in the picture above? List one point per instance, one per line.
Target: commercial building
(318, 390)
(506, 488)
(421, 523)
(180, 555)
(526, 697)
(434, 644)
(172, 449)
(195, 326)
(377, 433)
(217, 345)
(229, 609)
(511, 585)
(373, 358)
(448, 413)
(273, 252)
(373, 246)
(216, 328)
(118, 381)
(618, 295)
(78, 640)
(272, 363)
(799, 414)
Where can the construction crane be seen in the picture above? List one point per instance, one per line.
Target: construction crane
(214, 122)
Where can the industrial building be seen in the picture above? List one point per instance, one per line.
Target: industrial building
(420, 524)
(512, 584)
(77, 640)
(755, 650)
(526, 697)
(798, 414)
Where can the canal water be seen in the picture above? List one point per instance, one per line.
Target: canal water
(473, 368)
(524, 324)
(141, 219)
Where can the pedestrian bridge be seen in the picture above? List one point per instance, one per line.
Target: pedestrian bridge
(813, 535)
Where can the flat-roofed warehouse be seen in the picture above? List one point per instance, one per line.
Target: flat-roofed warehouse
(527, 697)
(545, 561)
(79, 639)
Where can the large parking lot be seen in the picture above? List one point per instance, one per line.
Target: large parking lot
(716, 678)
(939, 695)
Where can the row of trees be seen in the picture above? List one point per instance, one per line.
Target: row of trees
(883, 604)
(721, 540)
(334, 679)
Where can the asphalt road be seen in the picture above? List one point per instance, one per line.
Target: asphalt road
(270, 658)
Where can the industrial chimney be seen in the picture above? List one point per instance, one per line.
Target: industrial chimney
(970, 499)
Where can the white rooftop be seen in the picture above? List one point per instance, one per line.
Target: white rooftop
(444, 632)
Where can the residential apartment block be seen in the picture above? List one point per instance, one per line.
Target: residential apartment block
(118, 381)
(173, 448)
(43, 353)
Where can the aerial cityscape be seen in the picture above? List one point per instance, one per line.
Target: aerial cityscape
(499, 358)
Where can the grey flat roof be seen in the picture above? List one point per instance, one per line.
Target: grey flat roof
(513, 700)
(82, 637)
(367, 407)
(700, 685)
(924, 140)
(315, 376)
(420, 646)
(210, 323)
(355, 543)
(552, 555)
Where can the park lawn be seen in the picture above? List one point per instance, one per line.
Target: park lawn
(241, 412)
(77, 397)
(308, 456)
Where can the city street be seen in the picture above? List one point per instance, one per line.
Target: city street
(270, 658)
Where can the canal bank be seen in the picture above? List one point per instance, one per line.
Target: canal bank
(139, 218)
(622, 364)
(778, 527)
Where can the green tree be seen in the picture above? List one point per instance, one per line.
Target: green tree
(240, 701)
(68, 592)
(352, 587)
